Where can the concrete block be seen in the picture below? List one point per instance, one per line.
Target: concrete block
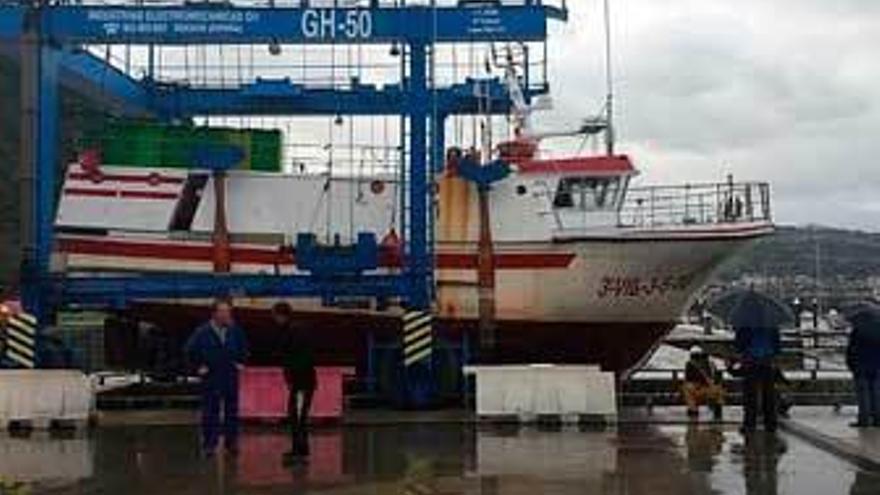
(540, 390)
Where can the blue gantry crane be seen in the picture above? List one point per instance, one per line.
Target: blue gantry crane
(47, 38)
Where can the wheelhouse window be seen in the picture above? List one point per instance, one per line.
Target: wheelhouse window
(587, 193)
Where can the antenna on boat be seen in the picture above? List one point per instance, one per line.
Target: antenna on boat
(609, 83)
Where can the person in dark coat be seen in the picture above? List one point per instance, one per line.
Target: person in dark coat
(298, 360)
(863, 359)
(757, 346)
(784, 403)
(217, 350)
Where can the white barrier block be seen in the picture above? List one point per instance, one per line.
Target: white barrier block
(529, 390)
(45, 395)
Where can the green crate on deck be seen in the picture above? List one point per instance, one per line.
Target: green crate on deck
(176, 147)
(266, 151)
(154, 145)
(131, 144)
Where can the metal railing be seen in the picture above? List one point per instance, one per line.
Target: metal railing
(696, 204)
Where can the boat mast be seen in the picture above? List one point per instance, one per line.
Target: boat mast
(609, 84)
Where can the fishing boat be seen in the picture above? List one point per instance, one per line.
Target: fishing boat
(561, 259)
(588, 266)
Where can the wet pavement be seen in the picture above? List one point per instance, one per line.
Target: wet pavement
(827, 426)
(434, 459)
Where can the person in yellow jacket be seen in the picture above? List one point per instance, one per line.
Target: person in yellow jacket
(702, 385)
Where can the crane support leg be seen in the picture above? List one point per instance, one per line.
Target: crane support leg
(419, 250)
(419, 374)
(37, 167)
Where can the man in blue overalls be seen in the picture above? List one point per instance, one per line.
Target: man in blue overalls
(217, 350)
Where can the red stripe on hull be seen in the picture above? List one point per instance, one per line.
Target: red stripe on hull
(203, 252)
(169, 252)
(506, 261)
(147, 195)
(96, 193)
(126, 178)
(676, 235)
(113, 193)
(341, 338)
(610, 165)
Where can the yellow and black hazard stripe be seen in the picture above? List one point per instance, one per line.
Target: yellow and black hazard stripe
(418, 337)
(21, 339)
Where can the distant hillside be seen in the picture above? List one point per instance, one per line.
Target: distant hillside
(792, 251)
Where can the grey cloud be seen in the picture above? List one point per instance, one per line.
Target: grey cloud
(784, 91)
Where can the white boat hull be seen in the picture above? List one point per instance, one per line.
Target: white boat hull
(601, 294)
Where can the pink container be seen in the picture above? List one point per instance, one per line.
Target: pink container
(263, 393)
(260, 460)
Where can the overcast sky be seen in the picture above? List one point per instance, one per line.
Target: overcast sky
(786, 91)
(783, 90)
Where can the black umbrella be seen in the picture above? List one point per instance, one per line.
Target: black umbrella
(747, 308)
(865, 320)
(861, 312)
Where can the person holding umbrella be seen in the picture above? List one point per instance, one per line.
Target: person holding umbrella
(863, 360)
(756, 320)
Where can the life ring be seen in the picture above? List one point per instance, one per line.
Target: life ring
(154, 179)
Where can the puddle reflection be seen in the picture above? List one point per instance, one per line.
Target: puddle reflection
(260, 462)
(46, 459)
(429, 459)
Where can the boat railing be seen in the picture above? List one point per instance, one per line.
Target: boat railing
(696, 204)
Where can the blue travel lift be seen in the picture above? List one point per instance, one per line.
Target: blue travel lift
(49, 38)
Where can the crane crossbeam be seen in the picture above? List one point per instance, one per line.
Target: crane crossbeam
(190, 24)
(284, 98)
(111, 290)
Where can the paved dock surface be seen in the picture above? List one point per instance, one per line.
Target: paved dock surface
(426, 459)
(832, 430)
